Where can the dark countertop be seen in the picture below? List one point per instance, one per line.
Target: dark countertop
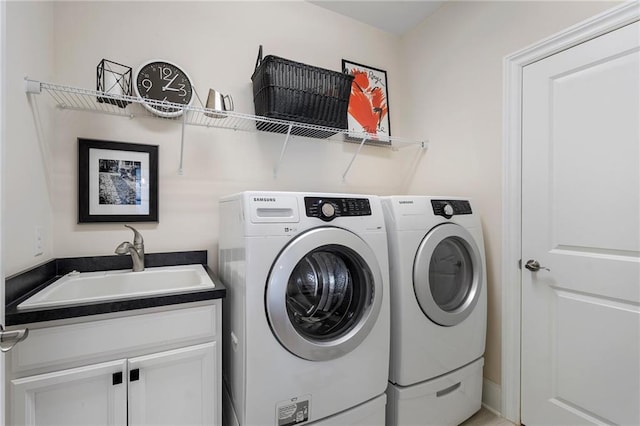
(23, 285)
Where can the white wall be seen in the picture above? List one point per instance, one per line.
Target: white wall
(454, 68)
(27, 204)
(217, 43)
(2, 140)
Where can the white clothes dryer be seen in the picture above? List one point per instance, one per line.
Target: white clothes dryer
(438, 309)
(306, 317)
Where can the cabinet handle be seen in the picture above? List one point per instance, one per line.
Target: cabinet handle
(134, 375)
(117, 378)
(11, 338)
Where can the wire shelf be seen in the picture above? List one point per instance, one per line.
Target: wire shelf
(78, 99)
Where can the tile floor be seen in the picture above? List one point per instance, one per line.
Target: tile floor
(485, 417)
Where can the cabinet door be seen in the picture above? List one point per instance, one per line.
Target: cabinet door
(84, 396)
(177, 387)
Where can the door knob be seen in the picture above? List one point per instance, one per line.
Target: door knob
(534, 266)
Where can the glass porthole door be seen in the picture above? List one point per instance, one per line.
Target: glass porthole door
(448, 274)
(324, 294)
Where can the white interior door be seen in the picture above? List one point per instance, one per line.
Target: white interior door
(581, 220)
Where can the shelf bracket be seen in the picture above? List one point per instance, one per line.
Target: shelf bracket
(184, 123)
(344, 175)
(284, 148)
(32, 86)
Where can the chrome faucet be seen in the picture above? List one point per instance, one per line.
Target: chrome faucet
(136, 250)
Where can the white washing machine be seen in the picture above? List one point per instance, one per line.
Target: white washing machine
(438, 309)
(306, 316)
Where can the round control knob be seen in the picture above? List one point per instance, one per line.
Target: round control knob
(328, 211)
(448, 210)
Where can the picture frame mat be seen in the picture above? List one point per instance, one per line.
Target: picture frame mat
(95, 208)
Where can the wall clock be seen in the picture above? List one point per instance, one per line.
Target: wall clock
(159, 80)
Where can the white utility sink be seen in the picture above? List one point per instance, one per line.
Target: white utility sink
(77, 288)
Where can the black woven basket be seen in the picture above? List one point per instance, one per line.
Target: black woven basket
(294, 91)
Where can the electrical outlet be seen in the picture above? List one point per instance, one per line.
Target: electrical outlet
(38, 242)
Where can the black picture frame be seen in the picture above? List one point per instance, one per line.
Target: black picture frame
(117, 181)
(375, 94)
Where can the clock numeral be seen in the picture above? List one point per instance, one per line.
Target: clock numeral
(165, 73)
(183, 91)
(147, 84)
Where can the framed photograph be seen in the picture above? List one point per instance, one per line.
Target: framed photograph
(117, 182)
(368, 105)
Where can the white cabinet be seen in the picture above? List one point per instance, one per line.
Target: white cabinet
(77, 397)
(174, 387)
(169, 374)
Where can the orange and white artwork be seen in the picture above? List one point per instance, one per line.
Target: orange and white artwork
(368, 105)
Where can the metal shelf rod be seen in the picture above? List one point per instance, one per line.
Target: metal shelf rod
(184, 122)
(344, 175)
(284, 147)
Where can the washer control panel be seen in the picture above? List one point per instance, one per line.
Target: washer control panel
(449, 208)
(328, 208)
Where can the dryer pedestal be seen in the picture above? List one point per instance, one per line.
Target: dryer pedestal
(446, 400)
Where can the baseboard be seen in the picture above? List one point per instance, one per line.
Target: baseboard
(491, 396)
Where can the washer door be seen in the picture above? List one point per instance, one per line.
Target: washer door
(324, 294)
(447, 274)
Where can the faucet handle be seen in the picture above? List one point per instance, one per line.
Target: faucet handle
(137, 237)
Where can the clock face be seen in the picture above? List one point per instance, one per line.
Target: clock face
(164, 82)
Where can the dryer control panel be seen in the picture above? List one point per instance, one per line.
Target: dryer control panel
(327, 208)
(450, 208)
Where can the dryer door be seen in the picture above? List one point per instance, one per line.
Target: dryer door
(324, 293)
(447, 274)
